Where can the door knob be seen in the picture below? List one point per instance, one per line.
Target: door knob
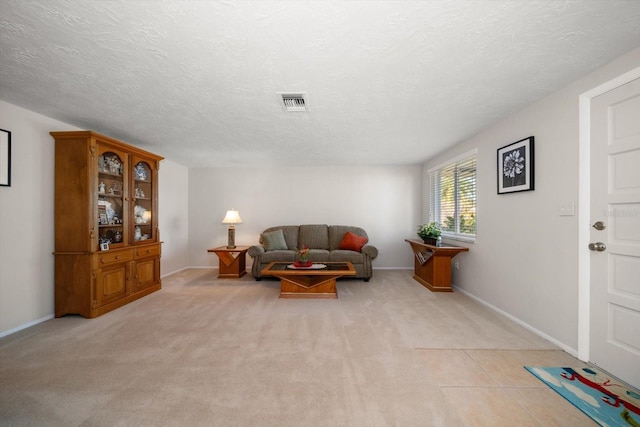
(599, 226)
(598, 246)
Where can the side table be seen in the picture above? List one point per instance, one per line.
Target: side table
(433, 265)
(232, 261)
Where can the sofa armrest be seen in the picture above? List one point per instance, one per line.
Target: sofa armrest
(370, 251)
(255, 251)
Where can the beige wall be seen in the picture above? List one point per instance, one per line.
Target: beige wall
(525, 260)
(26, 219)
(384, 200)
(174, 216)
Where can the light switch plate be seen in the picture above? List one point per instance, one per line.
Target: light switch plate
(568, 209)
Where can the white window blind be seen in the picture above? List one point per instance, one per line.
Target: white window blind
(452, 201)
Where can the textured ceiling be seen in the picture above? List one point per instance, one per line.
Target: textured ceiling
(387, 82)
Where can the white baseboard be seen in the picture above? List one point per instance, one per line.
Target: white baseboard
(25, 326)
(192, 267)
(571, 351)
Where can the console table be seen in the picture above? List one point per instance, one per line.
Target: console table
(232, 261)
(433, 264)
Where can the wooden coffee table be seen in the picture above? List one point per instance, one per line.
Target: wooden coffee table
(309, 282)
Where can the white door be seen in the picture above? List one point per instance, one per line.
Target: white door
(615, 232)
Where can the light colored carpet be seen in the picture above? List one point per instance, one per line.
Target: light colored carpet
(209, 352)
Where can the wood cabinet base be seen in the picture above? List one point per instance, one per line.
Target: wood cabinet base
(93, 284)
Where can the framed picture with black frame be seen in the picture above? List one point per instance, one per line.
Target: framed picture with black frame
(515, 167)
(5, 158)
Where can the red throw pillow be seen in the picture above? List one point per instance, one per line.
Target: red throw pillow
(353, 242)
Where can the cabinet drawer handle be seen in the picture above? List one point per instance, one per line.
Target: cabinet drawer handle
(117, 256)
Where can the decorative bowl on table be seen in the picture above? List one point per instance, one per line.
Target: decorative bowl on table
(302, 263)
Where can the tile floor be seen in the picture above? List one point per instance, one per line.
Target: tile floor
(491, 387)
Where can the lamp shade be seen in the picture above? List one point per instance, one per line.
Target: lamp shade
(232, 217)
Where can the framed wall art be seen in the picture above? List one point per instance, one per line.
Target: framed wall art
(515, 167)
(5, 158)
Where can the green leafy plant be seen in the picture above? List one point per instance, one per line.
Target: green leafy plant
(431, 230)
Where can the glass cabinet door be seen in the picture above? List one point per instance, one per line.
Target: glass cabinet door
(143, 204)
(111, 206)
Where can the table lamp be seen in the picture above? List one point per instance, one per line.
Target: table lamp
(232, 217)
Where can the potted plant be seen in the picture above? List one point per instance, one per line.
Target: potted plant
(303, 254)
(430, 233)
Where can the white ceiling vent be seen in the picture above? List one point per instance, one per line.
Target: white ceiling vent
(294, 101)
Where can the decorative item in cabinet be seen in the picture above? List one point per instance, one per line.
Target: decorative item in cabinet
(143, 206)
(110, 197)
(107, 251)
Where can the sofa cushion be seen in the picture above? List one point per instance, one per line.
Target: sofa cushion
(278, 256)
(352, 242)
(290, 234)
(315, 236)
(337, 232)
(346, 256)
(319, 255)
(273, 240)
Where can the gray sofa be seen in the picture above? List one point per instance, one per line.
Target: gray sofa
(324, 243)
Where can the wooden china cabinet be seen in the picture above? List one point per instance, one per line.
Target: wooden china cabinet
(107, 247)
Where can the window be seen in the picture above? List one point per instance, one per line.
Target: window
(452, 197)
